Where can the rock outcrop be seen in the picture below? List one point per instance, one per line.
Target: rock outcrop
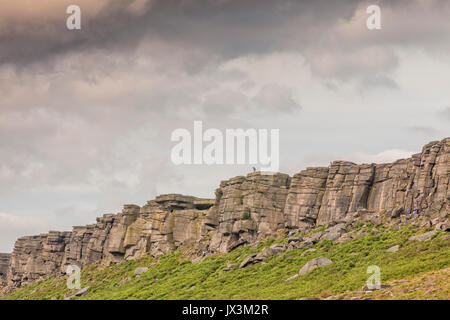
(246, 210)
(4, 264)
(163, 225)
(249, 209)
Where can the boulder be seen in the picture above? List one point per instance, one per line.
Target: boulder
(140, 270)
(292, 277)
(331, 236)
(313, 264)
(229, 267)
(393, 249)
(121, 282)
(423, 237)
(443, 226)
(80, 292)
(249, 260)
(308, 251)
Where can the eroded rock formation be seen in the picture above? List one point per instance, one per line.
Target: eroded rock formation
(4, 264)
(245, 210)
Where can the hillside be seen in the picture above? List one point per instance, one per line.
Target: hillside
(418, 270)
(326, 205)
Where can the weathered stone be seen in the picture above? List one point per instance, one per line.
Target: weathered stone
(443, 226)
(423, 237)
(292, 277)
(4, 264)
(393, 249)
(249, 260)
(249, 209)
(308, 251)
(140, 270)
(81, 292)
(313, 264)
(304, 199)
(123, 281)
(366, 288)
(229, 267)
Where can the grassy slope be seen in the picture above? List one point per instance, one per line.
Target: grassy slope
(180, 279)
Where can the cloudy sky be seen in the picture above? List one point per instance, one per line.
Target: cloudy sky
(86, 115)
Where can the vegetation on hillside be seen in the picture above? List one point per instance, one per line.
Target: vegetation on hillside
(175, 277)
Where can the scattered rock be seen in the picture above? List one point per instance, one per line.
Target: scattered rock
(381, 286)
(346, 237)
(308, 251)
(140, 270)
(229, 267)
(292, 278)
(446, 237)
(79, 293)
(295, 239)
(247, 261)
(443, 226)
(196, 260)
(313, 264)
(423, 237)
(393, 249)
(309, 298)
(331, 236)
(263, 255)
(121, 282)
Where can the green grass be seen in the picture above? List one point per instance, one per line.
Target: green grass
(178, 278)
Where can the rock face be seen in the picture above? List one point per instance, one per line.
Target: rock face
(246, 210)
(318, 196)
(164, 224)
(4, 264)
(249, 209)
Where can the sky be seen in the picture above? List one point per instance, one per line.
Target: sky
(86, 115)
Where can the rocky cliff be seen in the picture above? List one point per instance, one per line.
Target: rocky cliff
(4, 264)
(245, 210)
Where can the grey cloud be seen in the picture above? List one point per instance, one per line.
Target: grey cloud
(332, 35)
(419, 129)
(276, 98)
(224, 28)
(378, 82)
(444, 113)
